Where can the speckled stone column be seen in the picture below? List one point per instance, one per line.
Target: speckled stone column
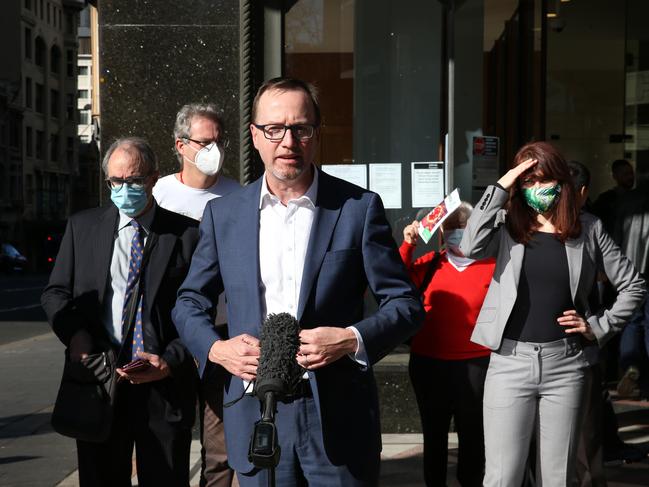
(157, 55)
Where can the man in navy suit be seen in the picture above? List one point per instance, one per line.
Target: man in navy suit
(302, 242)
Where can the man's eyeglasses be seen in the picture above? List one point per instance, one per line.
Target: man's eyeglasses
(206, 144)
(134, 182)
(276, 132)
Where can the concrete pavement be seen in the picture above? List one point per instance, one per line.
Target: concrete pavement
(32, 455)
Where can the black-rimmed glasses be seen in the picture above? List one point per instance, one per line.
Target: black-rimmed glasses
(276, 132)
(117, 183)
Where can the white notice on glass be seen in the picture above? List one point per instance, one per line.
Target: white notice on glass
(385, 179)
(352, 173)
(427, 179)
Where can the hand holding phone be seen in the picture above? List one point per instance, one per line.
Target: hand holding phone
(136, 365)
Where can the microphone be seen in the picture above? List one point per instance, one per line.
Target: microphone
(277, 374)
(278, 369)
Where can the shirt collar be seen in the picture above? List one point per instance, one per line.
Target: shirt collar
(266, 197)
(145, 220)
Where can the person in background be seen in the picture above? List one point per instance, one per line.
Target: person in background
(607, 203)
(537, 314)
(200, 148)
(453, 289)
(633, 234)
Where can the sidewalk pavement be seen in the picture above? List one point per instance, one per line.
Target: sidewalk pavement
(32, 455)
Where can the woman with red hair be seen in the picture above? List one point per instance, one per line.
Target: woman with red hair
(536, 316)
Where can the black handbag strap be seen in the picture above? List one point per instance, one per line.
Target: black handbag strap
(430, 272)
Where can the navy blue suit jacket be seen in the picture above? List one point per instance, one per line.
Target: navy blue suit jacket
(350, 247)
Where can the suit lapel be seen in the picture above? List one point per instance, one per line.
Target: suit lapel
(247, 240)
(159, 247)
(326, 216)
(104, 233)
(574, 251)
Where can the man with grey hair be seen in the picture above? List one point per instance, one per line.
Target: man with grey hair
(112, 288)
(200, 148)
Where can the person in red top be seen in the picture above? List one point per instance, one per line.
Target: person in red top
(447, 370)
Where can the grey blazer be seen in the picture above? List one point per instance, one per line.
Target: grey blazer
(486, 236)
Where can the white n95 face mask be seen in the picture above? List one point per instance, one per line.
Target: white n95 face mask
(209, 159)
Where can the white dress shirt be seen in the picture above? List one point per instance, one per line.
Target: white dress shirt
(116, 287)
(284, 233)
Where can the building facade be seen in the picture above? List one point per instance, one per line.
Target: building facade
(39, 81)
(418, 96)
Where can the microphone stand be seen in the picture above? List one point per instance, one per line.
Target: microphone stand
(269, 416)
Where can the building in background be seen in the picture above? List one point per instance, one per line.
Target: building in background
(88, 183)
(38, 92)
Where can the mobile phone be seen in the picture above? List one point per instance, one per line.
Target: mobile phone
(136, 365)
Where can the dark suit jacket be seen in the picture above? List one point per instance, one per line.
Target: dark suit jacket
(350, 247)
(75, 295)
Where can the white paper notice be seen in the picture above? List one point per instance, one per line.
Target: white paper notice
(385, 179)
(352, 173)
(427, 179)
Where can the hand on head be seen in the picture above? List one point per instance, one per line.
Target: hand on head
(507, 181)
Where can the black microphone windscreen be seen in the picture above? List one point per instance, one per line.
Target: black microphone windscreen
(279, 343)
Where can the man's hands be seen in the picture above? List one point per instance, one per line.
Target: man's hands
(512, 175)
(411, 233)
(324, 345)
(238, 355)
(319, 347)
(80, 345)
(575, 323)
(157, 370)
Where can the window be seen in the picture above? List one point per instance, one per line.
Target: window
(28, 43)
(28, 4)
(55, 59)
(28, 92)
(69, 106)
(40, 144)
(84, 117)
(83, 94)
(29, 141)
(69, 23)
(40, 98)
(54, 104)
(69, 61)
(40, 5)
(39, 56)
(84, 71)
(54, 147)
(14, 133)
(29, 189)
(49, 9)
(69, 151)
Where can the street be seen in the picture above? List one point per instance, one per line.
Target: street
(33, 455)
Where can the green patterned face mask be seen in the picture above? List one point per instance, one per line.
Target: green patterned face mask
(542, 199)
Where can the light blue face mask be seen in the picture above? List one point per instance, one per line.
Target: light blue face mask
(452, 238)
(130, 199)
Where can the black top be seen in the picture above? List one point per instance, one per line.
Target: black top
(543, 292)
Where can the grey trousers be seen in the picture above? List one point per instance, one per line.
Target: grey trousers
(533, 389)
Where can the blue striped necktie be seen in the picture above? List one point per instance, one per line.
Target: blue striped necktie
(134, 267)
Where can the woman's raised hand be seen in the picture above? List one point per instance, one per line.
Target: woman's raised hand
(510, 176)
(411, 233)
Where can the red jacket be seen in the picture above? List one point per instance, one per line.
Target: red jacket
(452, 301)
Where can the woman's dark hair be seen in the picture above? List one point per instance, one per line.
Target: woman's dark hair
(551, 165)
